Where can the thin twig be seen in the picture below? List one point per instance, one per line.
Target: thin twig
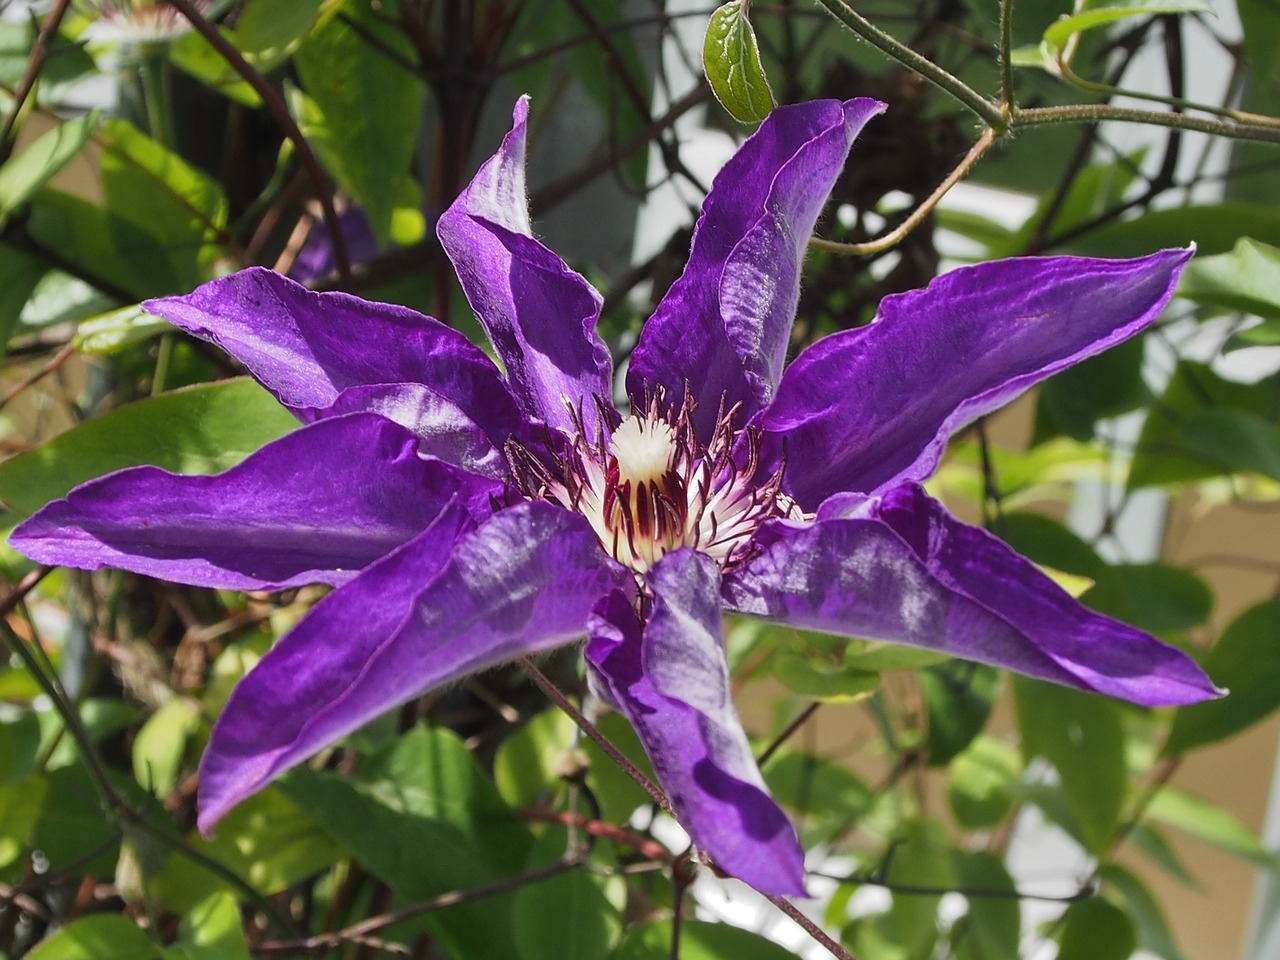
(785, 735)
(896, 235)
(811, 928)
(31, 73)
(370, 925)
(25, 586)
(992, 114)
(589, 728)
(37, 375)
(1095, 113)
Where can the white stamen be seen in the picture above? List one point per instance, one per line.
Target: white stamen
(644, 449)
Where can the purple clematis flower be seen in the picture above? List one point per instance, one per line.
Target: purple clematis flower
(466, 517)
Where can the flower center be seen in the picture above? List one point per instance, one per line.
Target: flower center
(650, 488)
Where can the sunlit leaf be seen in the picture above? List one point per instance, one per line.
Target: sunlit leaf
(160, 744)
(981, 782)
(21, 804)
(526, 763)
(1061, 31)
(568, 915)
(118, 330)
(828, 681)
(699, 940)
(102, 936)
(30, 169)
(197, 430)
(268, 840)
(731, 60)
(362, 109)
(426, 820)
(211, 931)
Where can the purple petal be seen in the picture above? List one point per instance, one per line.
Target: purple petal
(316, 258)
(866, 409)
(540, 315)
(905, 570)
(672, 684)
(317, 505)
(307, 348)
(723, 326)
(451, 602)
(444, 429)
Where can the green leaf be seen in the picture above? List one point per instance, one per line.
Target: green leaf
(268, 840)
(197, 430)
(118, 330)
(1205, 821)
(29, 170)
(267, 33)
(826, 796)
(362, 109)
(1062, 30)
(21, 804)
(699, 940)
(160, 744)
(1215, 228)
(981, 782)
(1261, 34)
(1107, 385)
(883, 657)
(922, 857)
(1095, 929)
(1243, 661)
(617, 794)
(1162, 456)
(1265, 334)
(1144, 910)
(568, 915)
(823, 680)
(993, 925)
(1247, 279)
(72, 822)
(526, 764)
(1094, 190)
(20, 274)
(1050, 543)
(102, 936)
(1233, 440)
(1156, 847)
(427, 821)
(19, 746)
(211, 931)
(1082, 735)
(959, 696)
(65, 64)
(166, 216)
(1153, 596)
(731, 60)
